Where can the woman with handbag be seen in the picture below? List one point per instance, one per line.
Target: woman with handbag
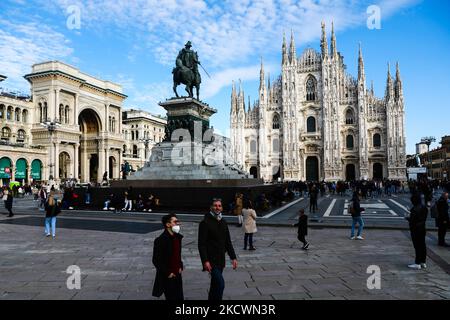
(249, 216)
(52, 209)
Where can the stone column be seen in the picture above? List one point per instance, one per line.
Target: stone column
(57, 91)
(101, 160)
(107, 162)
(56, 163)
(75, 109)
(75, 160)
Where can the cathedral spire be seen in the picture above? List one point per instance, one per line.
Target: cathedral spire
(284, 51)
(323, 42)
(398, 84)
(371, 87)
(361, 73)
(261, 76)
(389, 88)
(292, 50)
(233, 98)
(333, 48)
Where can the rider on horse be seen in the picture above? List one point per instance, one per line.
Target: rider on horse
(186, 70)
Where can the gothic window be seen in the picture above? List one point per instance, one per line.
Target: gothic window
(349, 118)
(276, 122)
(20, 135)
(6, 133)
(349, 142)
(310, 89)
(311, 124)
(376, 140)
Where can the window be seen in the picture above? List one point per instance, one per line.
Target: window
(124, 150)
(349, 119)
(17, 115)
(20, 136)
(9, 113)
(61, 113)
(276, 122)
(25, 116)
(66, 114)
(310, 89)
(376, 140)
(6, 133)
(275, 145)
(2, 111)
(132, 135)
(349, 142)
(253, 146)
(311, 124)
(135, 151)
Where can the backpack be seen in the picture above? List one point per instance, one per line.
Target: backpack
(350, 208)
(434, 211)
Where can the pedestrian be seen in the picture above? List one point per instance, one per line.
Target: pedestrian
(302, 225)
(167, 260)
(238, 200)
(417, 219)
(105, 179)
(213, 242)
(8, 199)
(249, 216)
(313, 194)
(442, 219)
(52, 209)
(88, 194)
(355, 210)
(128, 204)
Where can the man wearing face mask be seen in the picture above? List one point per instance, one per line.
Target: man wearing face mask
(213, 241)
(167, 260)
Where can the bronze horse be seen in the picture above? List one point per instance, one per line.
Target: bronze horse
(188, 77)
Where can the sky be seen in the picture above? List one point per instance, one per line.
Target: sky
(135, 43)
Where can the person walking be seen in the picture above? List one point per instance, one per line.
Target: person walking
(249, 216)
(313, 194)
(167, 261)
(213, 242)
(417, 227)
(442, 219)
(52, 209)
(238, 203)
(8, 199)
(355, 210)
(302, 225)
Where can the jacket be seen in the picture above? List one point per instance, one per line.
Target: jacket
(249, 220)
(162, 252)
(52, 211)
(9, 201)
(418, 218)
(356, 208)
(442, 209)
(214, 240)
(302, 225)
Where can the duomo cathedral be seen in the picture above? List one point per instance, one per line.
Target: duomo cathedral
(317, 122)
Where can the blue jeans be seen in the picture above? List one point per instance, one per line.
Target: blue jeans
(52, 221)
(217, 285)
(360, 222)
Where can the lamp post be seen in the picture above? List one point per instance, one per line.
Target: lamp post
(51, 126)
(428, 141)
(146, 141)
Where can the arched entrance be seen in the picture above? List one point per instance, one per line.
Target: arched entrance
(111, 167)
(254, 172)
(36, 170)
(90, 127)
(21, 171)
(312, 169)
(64, 165)
(5, 170)
(378, 171)
(350, 172)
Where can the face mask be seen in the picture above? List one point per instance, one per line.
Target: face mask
(176, 229)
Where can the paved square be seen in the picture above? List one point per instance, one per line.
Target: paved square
(117, 265)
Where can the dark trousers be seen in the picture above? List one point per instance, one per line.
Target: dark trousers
(312, 205)
(248, 237)
(217, 285)
(301, 238)
(418, 239)
(173, 289)
(442, 230)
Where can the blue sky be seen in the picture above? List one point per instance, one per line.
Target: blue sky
(134, 43)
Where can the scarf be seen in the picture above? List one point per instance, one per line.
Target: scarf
(216, 216)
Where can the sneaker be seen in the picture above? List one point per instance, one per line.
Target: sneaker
(48, 235)
(306, 246)
(105, 208)
(423, 265)
(352, 238)
(149, 210)
(53, 236)
(414, 266)
(359, 238)
(252, 248)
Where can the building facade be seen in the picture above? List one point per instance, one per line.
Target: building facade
(70, 127)
(437, 161)
(317, 122)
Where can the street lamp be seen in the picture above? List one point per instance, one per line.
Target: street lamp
(51, 126)
(428, 141)
(146, 141)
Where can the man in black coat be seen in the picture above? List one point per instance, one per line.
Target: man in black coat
(442, 219)
(167, 260)
(417, 226)
(302, 225)
(213, 241)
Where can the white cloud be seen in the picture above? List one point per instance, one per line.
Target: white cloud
(24, 44)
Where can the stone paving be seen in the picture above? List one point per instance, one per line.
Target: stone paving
(117, 265)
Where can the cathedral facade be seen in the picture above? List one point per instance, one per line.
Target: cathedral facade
(317, 122)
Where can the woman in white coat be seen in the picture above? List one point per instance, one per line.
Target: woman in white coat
(249, 215)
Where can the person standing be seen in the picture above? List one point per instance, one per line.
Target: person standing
(167, 260)
(238, 200)
(249, 215)
(417, 227)
(355, 211)
(52, 209)
(302, 225)
(313, 194)
(213, 242)
(442, 219)
(8, 199)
